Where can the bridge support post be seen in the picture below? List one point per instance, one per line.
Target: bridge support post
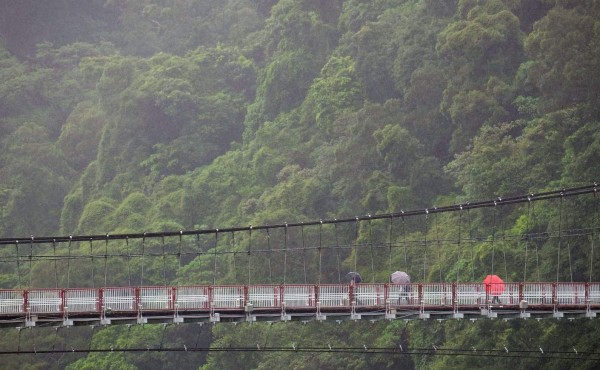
(284, 316)
(249, 308)
(456, 314)
(320, 317)
(103, 319)
(66, 321)
(523, 304)
(29, 318)
(588, 312)
(556, 314)
(390, 312)
(353, 315)
(422, 314)
(590, 315)
(176, 318)
(141, 319)
(488, 312)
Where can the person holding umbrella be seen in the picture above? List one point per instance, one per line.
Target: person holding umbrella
(494, 286)
(401, 277)
(354, 278)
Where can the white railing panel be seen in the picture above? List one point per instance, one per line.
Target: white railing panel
(44, 301)
(332, 296)
(537, 293)
(439, 294)
(594, 293)
(195, 297)
(119, 299)
(570, 293)
(510, 295)
(156, 298)
(81, 300)
(11, 301)
(264, 296)
(299, 296)
(402, 294)
(228, 297)
(470, 294)
(369, 295)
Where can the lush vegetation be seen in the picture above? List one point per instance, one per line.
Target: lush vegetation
(130, 116)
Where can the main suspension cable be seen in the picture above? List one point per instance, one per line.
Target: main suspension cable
(452, 208)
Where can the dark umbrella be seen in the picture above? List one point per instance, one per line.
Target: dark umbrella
(354, 277)
(400, 277)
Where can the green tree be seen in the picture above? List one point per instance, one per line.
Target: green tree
(35, 177)
(565, 49)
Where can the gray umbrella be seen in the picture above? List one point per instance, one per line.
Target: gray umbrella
(400, 277)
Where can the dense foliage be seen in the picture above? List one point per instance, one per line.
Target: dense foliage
(133, 116)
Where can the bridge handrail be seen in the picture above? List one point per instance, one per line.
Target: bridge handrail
(294, 297)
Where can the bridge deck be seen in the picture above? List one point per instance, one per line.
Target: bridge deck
(125, 305)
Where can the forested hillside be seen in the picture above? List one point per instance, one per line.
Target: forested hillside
(121, 116)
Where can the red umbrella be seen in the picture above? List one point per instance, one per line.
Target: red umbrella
(493, 285)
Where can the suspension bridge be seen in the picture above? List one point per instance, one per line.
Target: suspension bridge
(295, 270)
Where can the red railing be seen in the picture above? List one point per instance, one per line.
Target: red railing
(299, 297)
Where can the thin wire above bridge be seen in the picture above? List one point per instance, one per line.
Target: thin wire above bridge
(499, 201)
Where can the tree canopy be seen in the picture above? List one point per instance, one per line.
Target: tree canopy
(135, 116)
